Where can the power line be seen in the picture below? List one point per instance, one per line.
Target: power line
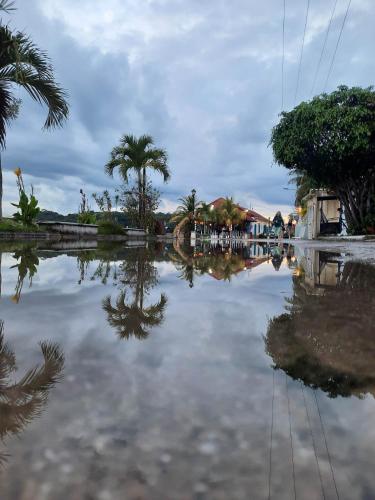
(328, 453)
(271, 437)
(300, 59)
(323, 48)
(282, 63)
(291, 438)
(313, 442)
(337, 45)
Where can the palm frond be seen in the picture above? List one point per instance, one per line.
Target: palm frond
(7, 6)
(24, 64)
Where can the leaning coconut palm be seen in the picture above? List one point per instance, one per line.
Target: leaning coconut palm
(137, 155)
(185, 212)
(133, 320)
(230, 214)
(22, 401)
(23, 64)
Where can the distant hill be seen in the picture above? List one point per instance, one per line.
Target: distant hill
(121, 218)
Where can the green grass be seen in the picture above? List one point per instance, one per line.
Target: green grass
(10, 226)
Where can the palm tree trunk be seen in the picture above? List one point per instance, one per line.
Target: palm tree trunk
(1, 189)
(144, 199)
(140, 198)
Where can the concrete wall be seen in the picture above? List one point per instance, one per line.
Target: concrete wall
(69, 228)
(330, 210)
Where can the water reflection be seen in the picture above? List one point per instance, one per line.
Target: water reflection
(138, 275)
(206, 402)
(222, 262)
(27, 266)
(326, 336)
(22, 401)
(134, 319)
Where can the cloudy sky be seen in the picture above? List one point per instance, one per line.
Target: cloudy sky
(202, 77)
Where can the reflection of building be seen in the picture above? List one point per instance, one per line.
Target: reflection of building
(323, 214)
(220, 261)
(321, 270)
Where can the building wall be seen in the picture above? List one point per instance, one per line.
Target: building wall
(330, 209)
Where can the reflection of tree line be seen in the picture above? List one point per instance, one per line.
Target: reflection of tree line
(327, 340)
(22, 401)
(222, 263)
(135, 274)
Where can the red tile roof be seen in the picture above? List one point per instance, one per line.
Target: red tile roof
(251, 214)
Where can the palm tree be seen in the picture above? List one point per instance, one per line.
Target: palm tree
(137, 155)
(22, 63)
(230, 214)
(186, 211)
(303, 185)
(205, 213)
(134, 319)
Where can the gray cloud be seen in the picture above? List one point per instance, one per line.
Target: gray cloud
(202, 77)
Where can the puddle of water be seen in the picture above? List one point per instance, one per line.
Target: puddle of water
(186, 373)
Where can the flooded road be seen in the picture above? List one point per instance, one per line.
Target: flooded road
(175, 373)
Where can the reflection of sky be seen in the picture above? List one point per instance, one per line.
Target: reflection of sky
(183, 414)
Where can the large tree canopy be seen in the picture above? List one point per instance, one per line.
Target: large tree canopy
(331, 139)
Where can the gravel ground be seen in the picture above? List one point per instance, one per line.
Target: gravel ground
(354, 250)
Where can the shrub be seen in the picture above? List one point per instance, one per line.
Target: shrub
(110, 227)
(86, 218)
(10, 226)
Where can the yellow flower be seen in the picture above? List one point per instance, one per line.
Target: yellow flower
(18, 171)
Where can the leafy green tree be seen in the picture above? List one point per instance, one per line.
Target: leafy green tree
(129, 199)
(138, 155)
(24, 64)
(331, 139)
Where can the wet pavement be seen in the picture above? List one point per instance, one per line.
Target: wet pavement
(169, 372)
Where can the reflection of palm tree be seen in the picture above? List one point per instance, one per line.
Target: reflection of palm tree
(22, 401)
(134, 319)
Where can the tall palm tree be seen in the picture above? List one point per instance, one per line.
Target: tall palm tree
(137, 155)
(230, 214)
(134, 319)
(24, 64)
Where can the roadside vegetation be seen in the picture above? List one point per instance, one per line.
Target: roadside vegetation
(329, 143)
